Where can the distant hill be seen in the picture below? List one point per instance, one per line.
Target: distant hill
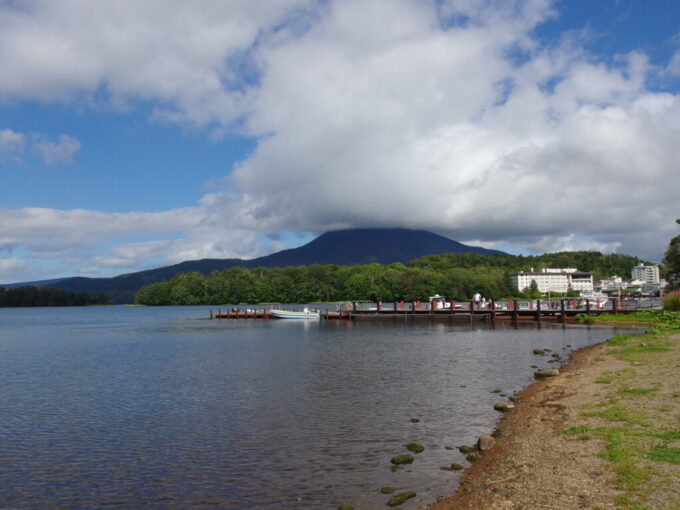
(37, 283)
(343, 247)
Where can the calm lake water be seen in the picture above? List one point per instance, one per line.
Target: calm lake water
(161, 408)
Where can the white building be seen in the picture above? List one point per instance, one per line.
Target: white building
(612, 284)
(554, 280)
(648, 274)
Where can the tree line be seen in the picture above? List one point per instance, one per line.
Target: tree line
(33, 296)
(457, 276)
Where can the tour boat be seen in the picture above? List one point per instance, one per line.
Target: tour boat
(287, 314)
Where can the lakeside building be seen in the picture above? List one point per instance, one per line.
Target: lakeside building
(648, 274)
(554, 280)
(612, 284)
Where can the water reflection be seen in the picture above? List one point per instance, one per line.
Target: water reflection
(151, 407)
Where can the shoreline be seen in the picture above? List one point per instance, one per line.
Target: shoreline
(533, 464)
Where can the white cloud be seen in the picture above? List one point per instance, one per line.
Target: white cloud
(60, 152)
(77, 237)
(11, 267)
(14, 144)
(11, 141)
(448, 116)
(52, 230)
(185, 57)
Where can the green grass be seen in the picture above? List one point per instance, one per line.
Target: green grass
(619, 413)
(636, 349)
(665, 453)
(673, 435)
(619, 340)
(637, 392)
(581, 432)
(662, 321)
(637, 435)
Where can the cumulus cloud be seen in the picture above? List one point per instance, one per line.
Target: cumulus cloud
(11, 267)
(435, 127)
(60, 152)
(13, 145)
(76, 237)
(189, 59)
(445, 115)
(11, 141)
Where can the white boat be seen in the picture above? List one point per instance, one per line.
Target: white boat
(287, 314)
(598, 299)
(439, 302)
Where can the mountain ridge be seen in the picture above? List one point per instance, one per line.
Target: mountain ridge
(342, 247)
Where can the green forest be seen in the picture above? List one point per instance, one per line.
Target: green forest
(456, 276)
(33, 296)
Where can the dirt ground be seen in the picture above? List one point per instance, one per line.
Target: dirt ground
(533, 465)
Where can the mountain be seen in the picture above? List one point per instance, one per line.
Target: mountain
(367, 246)
(343, 247)
(37, 283)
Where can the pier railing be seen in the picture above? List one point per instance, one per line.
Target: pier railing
(559, 308)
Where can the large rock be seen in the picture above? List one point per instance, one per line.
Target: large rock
(541, 374)
(415, 447)
(402, 459)
(400, 498)
(503, 406)
(485, 443)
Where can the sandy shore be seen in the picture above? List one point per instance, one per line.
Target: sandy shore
(533, 464)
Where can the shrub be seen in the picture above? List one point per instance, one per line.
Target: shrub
(672, 303)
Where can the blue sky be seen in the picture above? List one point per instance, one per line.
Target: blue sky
(151, 132)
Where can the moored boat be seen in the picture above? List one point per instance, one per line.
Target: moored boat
(288, 314)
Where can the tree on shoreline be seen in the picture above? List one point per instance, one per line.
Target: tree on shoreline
(30, 296)
(456, 276)
(672, 261)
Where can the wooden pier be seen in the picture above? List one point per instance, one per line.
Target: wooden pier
(265, 313)
(560, 310)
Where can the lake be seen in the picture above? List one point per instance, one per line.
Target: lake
(159, 407)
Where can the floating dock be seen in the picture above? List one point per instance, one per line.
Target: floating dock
(554, 309)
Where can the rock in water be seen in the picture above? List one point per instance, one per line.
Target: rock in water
(402, 459)
(539, 351)
(400, 498)
(415, 447)
(503, 406)
(539, 374)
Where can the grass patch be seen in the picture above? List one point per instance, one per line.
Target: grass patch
(673, 435)
(642, 348)
(619, 340)
(636, 421)
(665, 453)
(637, 392)
(625, 501)
(579, 431)
(630, 476)
(620, 413)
